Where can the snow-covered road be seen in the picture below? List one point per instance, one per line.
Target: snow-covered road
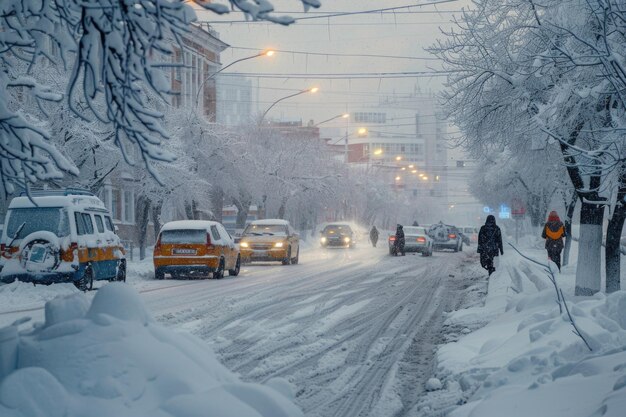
(353, 330)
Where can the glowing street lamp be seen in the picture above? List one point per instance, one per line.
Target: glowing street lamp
(425, 178)
(398, 178)
(414, 171)
(378, 152)
(398, 158)
(266, 52)
(343, 116)
(362, 132)
(308, 90)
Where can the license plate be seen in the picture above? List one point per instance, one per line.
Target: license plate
(185, 251)
(259, 253)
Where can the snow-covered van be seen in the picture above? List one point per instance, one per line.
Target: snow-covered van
(60, 236)
(195, 248)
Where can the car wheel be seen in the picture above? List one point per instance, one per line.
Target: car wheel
(295, 260)
(121, 272)
(158, 274)
(219, 272)
(287, 260)
(85, 283)
(235, 272)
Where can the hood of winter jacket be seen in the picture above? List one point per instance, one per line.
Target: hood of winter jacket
(553, 217)
(491, 220)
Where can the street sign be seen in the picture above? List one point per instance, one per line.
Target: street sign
(505, 212)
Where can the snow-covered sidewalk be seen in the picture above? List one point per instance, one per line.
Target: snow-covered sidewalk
(523, 356)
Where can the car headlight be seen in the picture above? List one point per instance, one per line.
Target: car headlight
(346, 239)
(278, 245)
(244, 245)
(323, 240)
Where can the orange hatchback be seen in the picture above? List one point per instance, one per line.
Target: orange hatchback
(191, 248)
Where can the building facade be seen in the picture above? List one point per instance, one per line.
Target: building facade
(234, 100)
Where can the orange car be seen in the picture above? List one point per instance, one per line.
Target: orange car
(195, 247)
(272, 240)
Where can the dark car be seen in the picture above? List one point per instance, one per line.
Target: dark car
(446, 236)
(338, 235)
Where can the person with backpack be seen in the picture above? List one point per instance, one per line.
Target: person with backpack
(374, 236)
(489, 243)
(553, 233)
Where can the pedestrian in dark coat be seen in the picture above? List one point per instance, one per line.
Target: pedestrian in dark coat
(399, 242)
(553, 233)
(489, 243)
(374, 236)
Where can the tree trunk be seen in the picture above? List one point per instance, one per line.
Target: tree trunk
(612, 252)
(143, 217)
(156, 219)
(588, 277)
(570, 208)
(217, 203)
(243, 208)
(283, 208)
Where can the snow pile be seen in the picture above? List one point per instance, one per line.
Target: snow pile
(527, 360)
(109, 358)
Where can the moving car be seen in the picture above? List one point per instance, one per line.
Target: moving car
(195, 248)
(61, 236)
(446, 236)
(270, 240)
(338, 235)
(416, 239)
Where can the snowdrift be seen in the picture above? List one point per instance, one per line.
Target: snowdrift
(527, 362)
(109, 358)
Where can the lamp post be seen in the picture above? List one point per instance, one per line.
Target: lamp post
(343, 116)
(268, 52)
(308, 90)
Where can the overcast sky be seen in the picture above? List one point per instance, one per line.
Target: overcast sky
(402, 33)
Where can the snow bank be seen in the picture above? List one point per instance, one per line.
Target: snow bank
(109, 358)
(526, 361)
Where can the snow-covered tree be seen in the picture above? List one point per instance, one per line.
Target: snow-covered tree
(112, 48)
(522, 71)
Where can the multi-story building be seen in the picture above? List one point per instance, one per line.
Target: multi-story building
(234, 100)
(405, 137)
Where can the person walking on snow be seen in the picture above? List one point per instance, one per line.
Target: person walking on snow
(399, 242)
(489, 243)
(374, 235)
(553, 233)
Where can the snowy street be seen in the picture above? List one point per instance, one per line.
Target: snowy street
(353, 330)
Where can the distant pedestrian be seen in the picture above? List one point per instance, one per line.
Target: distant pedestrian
(553, 233)
(489, 243)
(374, 236)
(415, 223)
(398, 244)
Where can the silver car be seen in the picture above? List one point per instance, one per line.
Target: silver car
(416, 239)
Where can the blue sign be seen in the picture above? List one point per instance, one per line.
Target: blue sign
(505, 212)
(488, 210)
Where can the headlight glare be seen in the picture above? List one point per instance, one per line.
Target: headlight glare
(244, 244)
(346, 239)
(324, 240)
(278, 245)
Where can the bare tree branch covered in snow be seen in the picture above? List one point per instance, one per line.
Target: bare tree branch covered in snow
(112, 48)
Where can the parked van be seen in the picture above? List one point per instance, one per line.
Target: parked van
(195, 248)
(60, 236)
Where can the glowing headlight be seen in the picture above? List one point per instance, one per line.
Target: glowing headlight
(346, 239)
(244, 244)
(278, 245)
(324, 240)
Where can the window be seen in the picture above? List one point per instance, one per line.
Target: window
(215, 234)
(99, 223)
(88, 223)
(80, 225)
(115, 201)
(29, 220)
(129, 207)
(109, 224)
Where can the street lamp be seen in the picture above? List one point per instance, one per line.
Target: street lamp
(267, 52)
(343, 116)
(308, 90)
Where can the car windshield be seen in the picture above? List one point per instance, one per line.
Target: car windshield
(265, 230)
(468, 230)
(184, 236)
(414, 230)
(36, 219)
(337, 229)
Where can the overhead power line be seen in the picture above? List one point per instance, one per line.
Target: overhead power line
(345, 76)
(340, 54)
